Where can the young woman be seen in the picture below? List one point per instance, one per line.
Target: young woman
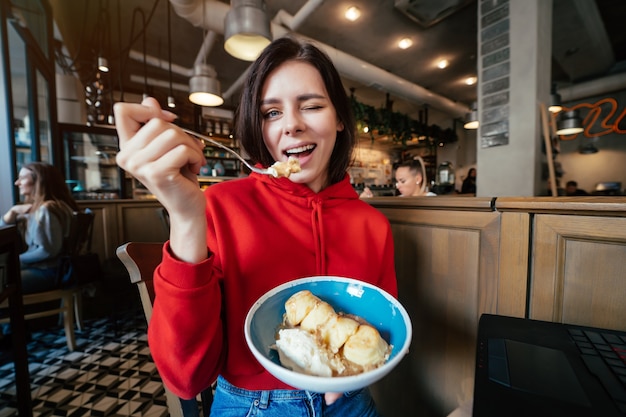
(46, 213)
(411, 179)
(241, 238)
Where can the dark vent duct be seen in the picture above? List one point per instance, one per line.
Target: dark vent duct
(429, 12)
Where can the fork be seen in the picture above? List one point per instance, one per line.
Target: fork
(207, 139)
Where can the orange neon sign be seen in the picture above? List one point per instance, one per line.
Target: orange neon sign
(598, 122)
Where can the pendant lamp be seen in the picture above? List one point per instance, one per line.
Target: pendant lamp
(471, 118)
(171, 103)
(569, 123)
(246, 29)
(204, 88)
(555, 101)
(103, 64)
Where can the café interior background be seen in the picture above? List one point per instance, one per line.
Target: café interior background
(148, 54)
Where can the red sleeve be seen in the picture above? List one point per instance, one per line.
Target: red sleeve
(188, 352)
(388, 279)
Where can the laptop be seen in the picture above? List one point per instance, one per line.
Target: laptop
(536, 368)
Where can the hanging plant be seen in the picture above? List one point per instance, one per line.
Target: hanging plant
(398, 126)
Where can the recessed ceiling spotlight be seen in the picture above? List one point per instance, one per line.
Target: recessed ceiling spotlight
(443, 63)
(353, 13)
(471, 80)
(405, 43)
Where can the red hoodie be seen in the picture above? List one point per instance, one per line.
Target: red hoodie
(262, 232)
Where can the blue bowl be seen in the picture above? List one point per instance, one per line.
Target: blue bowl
(345, 295)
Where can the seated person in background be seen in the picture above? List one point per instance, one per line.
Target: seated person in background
(46, 215)
(469, 183)
(410, 180)
(571, 188)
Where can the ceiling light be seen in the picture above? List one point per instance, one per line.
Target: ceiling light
(103, 64)
(471, 118)
(555, 103)
(353, 13)
(569, 123)
(246, 29)
(471, 80)
(170, 98)
(204, 88)
(405, 43)
(443, 63)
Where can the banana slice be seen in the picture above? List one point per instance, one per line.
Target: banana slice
(337, 330)
(316, 340)
(299, 305)
(318, 316)
(366, 348)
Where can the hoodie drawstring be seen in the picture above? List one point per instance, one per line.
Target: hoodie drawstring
(318, 236)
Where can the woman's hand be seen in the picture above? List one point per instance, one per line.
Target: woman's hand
(166, 161)
(15, 212)
(366, 193)
(331, 397)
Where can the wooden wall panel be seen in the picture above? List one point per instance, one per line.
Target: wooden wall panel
(447, 268)
(120, 221)
(579, 272)
(513, 259)
(141, 223)
(105, 235)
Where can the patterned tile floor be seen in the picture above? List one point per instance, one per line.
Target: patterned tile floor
(109, 374)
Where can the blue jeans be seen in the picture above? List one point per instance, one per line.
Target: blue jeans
(38, 279)
(230, 401)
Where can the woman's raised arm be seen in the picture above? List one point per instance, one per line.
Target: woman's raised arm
(166, 161)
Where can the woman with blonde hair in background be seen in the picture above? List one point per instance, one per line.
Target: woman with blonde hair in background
(411, 180)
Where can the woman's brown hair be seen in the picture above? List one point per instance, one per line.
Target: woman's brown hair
(248, 118)
(49, 186)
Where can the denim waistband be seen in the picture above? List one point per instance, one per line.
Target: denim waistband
(276, 394)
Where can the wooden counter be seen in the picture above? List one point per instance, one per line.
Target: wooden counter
(557, 259)
(120, 221)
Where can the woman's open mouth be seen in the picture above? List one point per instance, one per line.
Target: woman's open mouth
(300, 151)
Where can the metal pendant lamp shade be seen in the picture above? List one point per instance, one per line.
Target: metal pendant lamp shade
(204, 88)
(569, 123)
(555, 103)
(246, 29)
(471, 118)
(554, 106)
(103, 64)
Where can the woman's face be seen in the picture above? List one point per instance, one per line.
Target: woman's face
(25, 182)
(407, 182)
(300, 120)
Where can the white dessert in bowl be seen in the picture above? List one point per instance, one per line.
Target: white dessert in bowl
(364, 300)
(315, 334)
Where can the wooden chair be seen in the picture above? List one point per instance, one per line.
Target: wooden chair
(11, 293)
(141, 259)
(66, 293)
(83, 266)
